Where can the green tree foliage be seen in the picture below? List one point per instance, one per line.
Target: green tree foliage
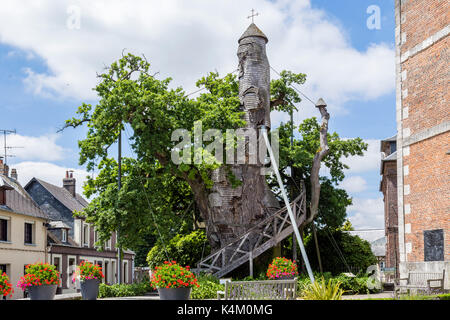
(347, 226)
(157, 195)
(186, 250)
(155, 191)
(333, 201)
(134, 211)
(355, 251)
(283, 96)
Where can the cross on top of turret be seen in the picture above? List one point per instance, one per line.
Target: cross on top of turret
(253, 15)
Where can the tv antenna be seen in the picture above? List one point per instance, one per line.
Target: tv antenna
(6, 155)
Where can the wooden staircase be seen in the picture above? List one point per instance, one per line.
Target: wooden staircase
(268, 233)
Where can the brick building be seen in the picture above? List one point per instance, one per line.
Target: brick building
(388, 186)
(423, 135)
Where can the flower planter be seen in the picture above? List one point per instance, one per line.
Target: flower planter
(174, 293)
(282, 269)
(89, 289)
(44, 292)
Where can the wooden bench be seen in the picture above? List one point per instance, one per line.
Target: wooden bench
(429, 282)
(259, 290)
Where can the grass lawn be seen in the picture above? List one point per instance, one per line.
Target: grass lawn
(417, 297)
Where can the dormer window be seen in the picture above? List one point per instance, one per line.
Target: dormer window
(95, 237)
(108, 244)
(63, 235)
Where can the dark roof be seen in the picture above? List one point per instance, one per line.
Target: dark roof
(253, 31)
(4, 184)
(54, 240)
(58, 225)
(77, 203)
(391, 157)
(391, 139)
(19, 201)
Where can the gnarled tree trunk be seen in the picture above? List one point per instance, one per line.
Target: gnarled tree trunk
(229, 211)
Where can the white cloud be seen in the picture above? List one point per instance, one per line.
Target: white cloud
(48, 172)
(16, 53)
(367, 213)
(187, 39)
(354, 184)
(369, 162)
(43, 148)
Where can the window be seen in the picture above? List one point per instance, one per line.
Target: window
(108, 244)
(3, 268)
(95, 237)
(4, 229)
(2, 197)
(63, 235)
(86, 235)
(28, 233)
(393, 146)
(125, 272)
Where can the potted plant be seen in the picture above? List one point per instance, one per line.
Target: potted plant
(41, 280)
(282, 269)
(5, 286)
(90, 275)
(173, 281)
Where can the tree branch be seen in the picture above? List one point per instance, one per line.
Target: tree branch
(318, 157)
(73, 125)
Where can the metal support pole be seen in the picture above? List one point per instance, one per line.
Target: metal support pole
(286, 201)
(294, 243)
(119, 184)
(317, 247)
(250, 261)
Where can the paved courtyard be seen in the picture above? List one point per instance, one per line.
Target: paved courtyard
(382, 295)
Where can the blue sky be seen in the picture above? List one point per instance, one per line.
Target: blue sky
(48, 66)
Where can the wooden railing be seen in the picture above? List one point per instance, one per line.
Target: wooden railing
(263, 236)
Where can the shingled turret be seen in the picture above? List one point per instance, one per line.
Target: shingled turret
(234, 210)
(253, 31)
(254, 77)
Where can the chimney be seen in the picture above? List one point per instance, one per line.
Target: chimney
(4, 169)
(69, 182)
(14, 174)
